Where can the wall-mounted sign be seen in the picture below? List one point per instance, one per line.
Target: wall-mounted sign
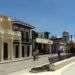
(44, 41)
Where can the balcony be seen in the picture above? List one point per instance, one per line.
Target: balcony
(10, 32)
(27, 40)
(15, 33)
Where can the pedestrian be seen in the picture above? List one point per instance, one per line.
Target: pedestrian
(58, 52)
(34, 54)
(37, 52)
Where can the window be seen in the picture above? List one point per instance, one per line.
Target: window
(23, 36)
(27, 36)
(28, 51)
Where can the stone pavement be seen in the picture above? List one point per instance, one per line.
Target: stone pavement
(26, 64)
(27, 73)
(70, 70)
(66, 70)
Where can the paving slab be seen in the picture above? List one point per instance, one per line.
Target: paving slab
(70, 70)
(66, 70)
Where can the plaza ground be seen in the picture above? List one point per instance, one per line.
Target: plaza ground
(67, 70)
(23, 67)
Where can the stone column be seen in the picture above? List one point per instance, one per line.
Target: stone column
(13, 51)
(20, 49)
(25, 50)
(1, 48)
(41, 46)
(33, 44)
(10, 49)
(31, 34)
(30, 54)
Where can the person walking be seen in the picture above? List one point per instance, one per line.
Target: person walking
(35, 54)
(59, 51)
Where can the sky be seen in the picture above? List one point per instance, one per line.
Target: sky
(53, 16)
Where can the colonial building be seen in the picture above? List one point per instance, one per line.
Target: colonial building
(26, 37)
(15, 39)
(42, 42)
(61, 43)
(58, 44)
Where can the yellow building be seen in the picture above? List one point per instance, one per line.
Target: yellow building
(11, 44)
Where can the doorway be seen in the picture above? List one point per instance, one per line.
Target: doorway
(16, 51)
(28, 51)
(5, 52)
(23, 52)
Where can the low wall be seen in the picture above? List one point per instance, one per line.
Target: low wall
(63, 63)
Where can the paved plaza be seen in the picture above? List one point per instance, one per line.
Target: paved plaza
(23, 67)
(70, 70)
(67, 70)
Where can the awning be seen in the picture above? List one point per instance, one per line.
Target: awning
(44, 41)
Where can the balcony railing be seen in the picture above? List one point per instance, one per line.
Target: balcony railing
(15, 33)
(27, 40)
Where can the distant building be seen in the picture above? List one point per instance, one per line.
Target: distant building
(66, 38)
(58, 44)
(42, 42)
(61, 43)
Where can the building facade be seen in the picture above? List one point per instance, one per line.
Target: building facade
(58, 44)
(61, 43)
(42, 42)
(15, 39)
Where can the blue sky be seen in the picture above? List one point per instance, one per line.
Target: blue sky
(45, 15)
